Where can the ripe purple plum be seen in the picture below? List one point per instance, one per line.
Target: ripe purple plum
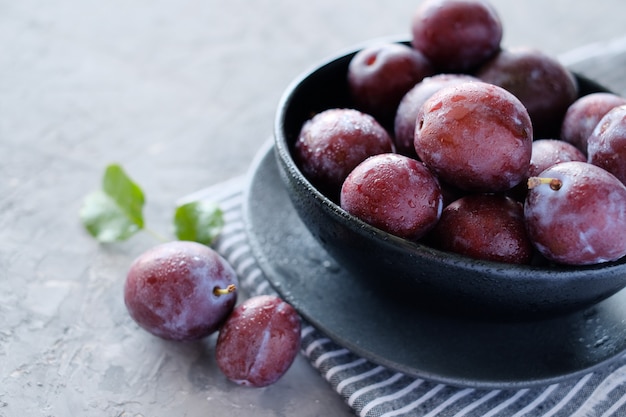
(406, 114)
(180, 290)
(394, 193)
(606, 146)
(547, 152)
(584, 114)
(475, 136)
(575, 215)
(456, 35)
(380, 75)
(484, 226)
(540, 81)
(259, 341)
(333, 142)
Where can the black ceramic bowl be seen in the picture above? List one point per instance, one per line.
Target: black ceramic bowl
(415, 272)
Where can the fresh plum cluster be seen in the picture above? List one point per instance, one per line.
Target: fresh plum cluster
(186, 291)
(495, 155)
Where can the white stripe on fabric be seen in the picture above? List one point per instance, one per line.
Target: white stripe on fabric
(252, 276)
(536, 401)
(519, 394)
(233, 221)
(245, 264)
(234, 218)
(222, 193)
(332, 354)
(319, 342)
(232, 240)
(615, 407)
(238, 253)
(262, 288)
(568, 397)
(601, 392)
(415, 403)
(390, 397)
(307, 330)
(358, 377)
(232, 205)
(338, 368)
(454, 398)
(477, 403)
(231, 228)
(368, 388)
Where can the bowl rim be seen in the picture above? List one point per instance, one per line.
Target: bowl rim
(284, 155)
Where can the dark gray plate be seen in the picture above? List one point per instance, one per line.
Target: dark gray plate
(461, 351)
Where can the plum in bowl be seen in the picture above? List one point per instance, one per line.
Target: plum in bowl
(414, 271)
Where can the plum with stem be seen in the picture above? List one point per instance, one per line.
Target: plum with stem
(180, 290)
(575, 215)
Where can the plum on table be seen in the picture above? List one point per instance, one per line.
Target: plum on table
(259, 341)
(180, 290)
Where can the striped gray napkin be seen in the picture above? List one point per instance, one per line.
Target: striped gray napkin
(375, 391)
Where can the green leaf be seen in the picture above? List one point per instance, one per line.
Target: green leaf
(198, 221)
(125, 193)
(114, 213)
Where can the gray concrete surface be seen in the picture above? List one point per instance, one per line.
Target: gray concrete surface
(182, 94)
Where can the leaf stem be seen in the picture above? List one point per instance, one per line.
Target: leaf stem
(156, 235)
